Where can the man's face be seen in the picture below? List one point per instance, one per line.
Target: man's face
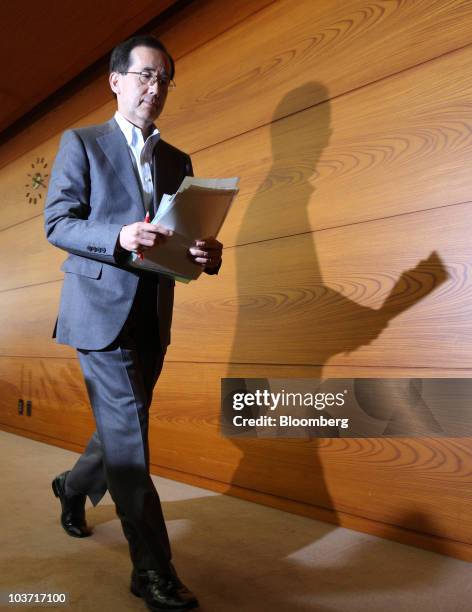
(141, 104)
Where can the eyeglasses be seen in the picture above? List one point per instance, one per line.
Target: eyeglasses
(149, 78)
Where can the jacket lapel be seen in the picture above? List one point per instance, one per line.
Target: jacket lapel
(115, 147)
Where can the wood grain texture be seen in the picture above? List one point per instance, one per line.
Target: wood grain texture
(444, 546)
(192, 26)
(354, 295)
(366, 294)
(39, 262)
(437, 544)
(347, 254)
(317, 169)
(27, 318)
(338, 44)
(15, 179)
(60, 407)
(344, 45)
(200, 22)
(56, 388)
(397, 146)
(321, 192)
(87, 31)
(419, 484)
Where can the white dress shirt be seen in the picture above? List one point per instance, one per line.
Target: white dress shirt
(141, 155)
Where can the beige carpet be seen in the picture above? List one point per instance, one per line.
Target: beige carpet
(234, 554)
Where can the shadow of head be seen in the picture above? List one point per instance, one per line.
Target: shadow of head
(300, 130)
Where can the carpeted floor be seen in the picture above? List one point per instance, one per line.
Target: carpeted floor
(234, 554)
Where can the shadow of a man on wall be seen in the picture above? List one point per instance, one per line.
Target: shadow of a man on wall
(287, 315)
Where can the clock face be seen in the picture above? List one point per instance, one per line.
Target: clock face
(37, 181)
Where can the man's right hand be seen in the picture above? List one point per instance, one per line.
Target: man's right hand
(140, 236)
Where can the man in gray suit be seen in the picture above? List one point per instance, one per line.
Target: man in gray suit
(105, 178)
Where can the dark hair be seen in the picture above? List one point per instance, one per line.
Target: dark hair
(120, 56)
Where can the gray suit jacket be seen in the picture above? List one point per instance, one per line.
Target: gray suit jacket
(92, 193)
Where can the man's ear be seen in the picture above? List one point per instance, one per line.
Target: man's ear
(114, 80)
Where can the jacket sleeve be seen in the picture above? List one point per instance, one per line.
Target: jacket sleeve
(67, 209)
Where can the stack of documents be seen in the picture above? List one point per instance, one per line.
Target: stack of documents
(197, 210)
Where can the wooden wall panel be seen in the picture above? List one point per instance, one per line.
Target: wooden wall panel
(27, 317)
(342, 162)
(308, 300)
(202, 22)
(88, 30)
(366, 294)
(418, 474)
(421, 476)
(336, 44)
(314, 169)
(347, 250)
(39, 260)
(319, 162)
(343, 45)
(354, 295)
(15, 179)
(57, 391)
(180, 33)
(61, 408)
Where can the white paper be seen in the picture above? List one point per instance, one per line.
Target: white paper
(197, 210)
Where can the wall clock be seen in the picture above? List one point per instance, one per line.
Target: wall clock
(37, 181)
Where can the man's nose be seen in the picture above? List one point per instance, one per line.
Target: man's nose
(153, 87)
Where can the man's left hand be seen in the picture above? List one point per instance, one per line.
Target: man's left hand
(207, 252)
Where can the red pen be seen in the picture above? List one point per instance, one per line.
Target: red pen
(147, 219)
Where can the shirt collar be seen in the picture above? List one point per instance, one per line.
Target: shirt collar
(134, 135)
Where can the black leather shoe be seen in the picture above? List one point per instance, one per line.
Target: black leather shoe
(73, 509)
(162, 592)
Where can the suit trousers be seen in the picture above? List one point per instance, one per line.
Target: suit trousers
(120, 380)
